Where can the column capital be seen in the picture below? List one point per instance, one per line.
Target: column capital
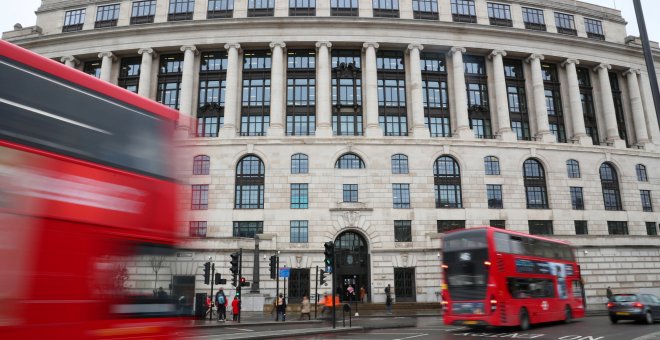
(370, 44)
(233, 45)
(192, 48)
(70, 59)
(107, 55)
(630, 71)
(496, 53)
(603, 66)
(456, 49)
(414, 46)
(534, 56)
(327, 44)
(570, 61)
(147, 50)
(279, 44)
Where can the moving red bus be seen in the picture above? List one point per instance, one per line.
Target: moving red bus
(496, 277)
(86, 192)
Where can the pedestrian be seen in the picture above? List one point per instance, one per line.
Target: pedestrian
(305, 308)
(281, 308)
(327, 304)
(235, 308)
(350, 292)
(363, 293)
(609, 293)
(388, 299)
(161, 294)
(221, 302)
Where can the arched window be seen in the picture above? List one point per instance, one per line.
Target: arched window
(610, 184)
(349, 161)
(573, 168)
(399, 164)
(201, 165)
(250, 175)
(299, 163)
(535, 188)
(492, 165)
(447, 179)
(641, 173)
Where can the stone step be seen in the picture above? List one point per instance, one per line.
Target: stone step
(295, 307)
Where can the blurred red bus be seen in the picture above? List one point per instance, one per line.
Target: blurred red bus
(86, 191)
(496, 277)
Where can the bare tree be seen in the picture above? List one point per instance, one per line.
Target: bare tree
(156, 263)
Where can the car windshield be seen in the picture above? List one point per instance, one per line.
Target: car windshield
(624, 298)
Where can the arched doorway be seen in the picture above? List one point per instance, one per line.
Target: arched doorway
(352, 264)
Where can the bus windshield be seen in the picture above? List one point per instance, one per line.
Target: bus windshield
(464, 255)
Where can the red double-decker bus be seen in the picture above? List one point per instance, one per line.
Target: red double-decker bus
(496, 277)
(86, 194)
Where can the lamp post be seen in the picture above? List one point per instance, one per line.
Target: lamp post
(648, 56)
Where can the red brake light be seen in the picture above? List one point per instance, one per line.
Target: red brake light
(444, 266)
(487, 263)
(638, 305)
(610, 304)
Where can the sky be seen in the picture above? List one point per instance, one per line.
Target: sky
(22, 11)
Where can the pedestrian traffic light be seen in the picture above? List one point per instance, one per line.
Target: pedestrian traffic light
(273, 267)
(234, 268)
(329, 256)
(218, 278)
(322, 278)
(207, 272)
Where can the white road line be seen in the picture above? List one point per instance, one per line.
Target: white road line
(241, 329)
(412, 336)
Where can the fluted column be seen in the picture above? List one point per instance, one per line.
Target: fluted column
(416, 96)
(277, 88)
(231, 95)
(575, 103)
(371, 89)
(540, 109)
(607, 103)
(641, 135)
(323, 90)
(187, 74)
(106, 65)
(70, 61)
(460, 94)
(144, 84)
(501, 97)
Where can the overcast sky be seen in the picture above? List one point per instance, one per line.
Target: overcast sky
(22, 11)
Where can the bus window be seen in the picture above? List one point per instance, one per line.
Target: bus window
(502, 243)
(521, 288)
(517, 245)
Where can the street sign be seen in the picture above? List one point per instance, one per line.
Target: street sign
(285, 272)
(328, 269)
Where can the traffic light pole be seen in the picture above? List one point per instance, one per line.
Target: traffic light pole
(212, 279)
(334, 300)
(240, 275)
(277, 287)
(316, 292)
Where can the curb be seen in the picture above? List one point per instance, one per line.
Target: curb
(255, 323)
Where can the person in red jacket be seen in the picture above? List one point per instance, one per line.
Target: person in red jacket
(236, 308)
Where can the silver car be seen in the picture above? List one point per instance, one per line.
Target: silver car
(640, 307)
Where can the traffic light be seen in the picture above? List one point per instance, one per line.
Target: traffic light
(234, 268)
(207, 272)
(322, 277)
(273, 267)
(218, 278)
(329, 256)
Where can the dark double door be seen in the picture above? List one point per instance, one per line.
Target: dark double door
(404, 284)
(351, 266)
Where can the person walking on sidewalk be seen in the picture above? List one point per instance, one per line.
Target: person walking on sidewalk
(388, 299)
(281, 308)
(363, 293)
(305, 308)
(221, 302)
(235, 308)
(609, 293)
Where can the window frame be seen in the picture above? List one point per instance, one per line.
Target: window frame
(425, 9)
(400, 195)
(106, 16)
(494, 196)
(565, 23)
(197, 229)
(399, 164)
(199, 197)
(499, 14)
(297, 161)
(573, 168)
(447, 183)
(301, 192)
(594, 29)
(74, 20)
(248, 182)
(464, 11)
(201, 165)
(534, 19)
(217, 9)
(180, 10)
(535, 184)
(402, 231)
(298, 227)
(141, 16)
(350, 193)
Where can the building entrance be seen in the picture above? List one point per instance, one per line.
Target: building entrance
(352, 266)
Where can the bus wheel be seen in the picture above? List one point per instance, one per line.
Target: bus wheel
(524, 320)
(568, 315)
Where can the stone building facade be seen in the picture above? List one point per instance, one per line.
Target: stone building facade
(382, 124)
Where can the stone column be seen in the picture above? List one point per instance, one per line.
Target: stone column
(323, 90)
(371, 89)
(228, 130)
(187, 76)
(70, 61)
(503, 120)
(144, 85)
(540, 109)
(416, 97)
(575, 103)
(641, 134)
(608, 107)
(460, 94)
(277, 90)
(106, 65)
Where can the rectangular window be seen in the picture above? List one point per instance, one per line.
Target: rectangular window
(463, 11)
(261, 8)
(533, 19)
(106, 16)
(612, 199)
(200, 197)
(448, 196)
(401, 196)
(499, 14)
(385, 8)
(540, 227)
(299, 196)
(494, 194)
(402, 231)
(646, 200)
(345, 8)
(298, 232)
(73, 20)
(517, 98)
(392, 113)
(399, 164)
(581, 228)
(93, 68)
(143, 12)
(350, 193)
(651, 229)
(577, 201)
(594, 29)
(129, 73)
(169, 80)
(449, 225)
(536, 197)
(565, 23)
(248, 228)
(255, 111)
(181, 10)
(220, 9)
(301, 93)
(435, 94)
(302, 8)
(299, 164)
(498, 224)
(425, 9)
(197, 229)
(617, 227)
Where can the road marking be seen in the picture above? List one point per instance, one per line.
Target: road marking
(413, 336)
(241, 329)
